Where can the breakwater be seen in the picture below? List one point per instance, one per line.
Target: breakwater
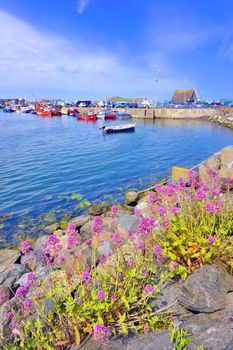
(218, 116)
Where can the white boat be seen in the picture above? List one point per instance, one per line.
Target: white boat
(118, 128)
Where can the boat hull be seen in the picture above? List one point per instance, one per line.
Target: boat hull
(119, 128)
(44, 114)
(88, 118)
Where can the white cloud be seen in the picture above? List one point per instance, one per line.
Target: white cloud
(82, 6)
(45, 65)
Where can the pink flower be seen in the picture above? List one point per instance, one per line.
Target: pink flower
(3, 298)
(151, 196)
(162, 211)
(149, 289)
(146, 273)
(116, 238)
(97, 225)
(100, 294)
(52, 240)
(9, 314)
(140, 245)
(71, 229)
(174, 210)
(101, 334)
(86, 277)
(145, 226)
(216, 191)
(21, 291)
(200, 194)
(175, 264)
(212, 172)
(137, 212)
(211, 240)
(130, 235)
(146, 329)
(113, 297)
(157, 249)
(27, 303)
(229, 179)
(209, 207)
(131, 263)
(72, 242)
(62, 259)
(114, 210)
(103, 260)
(26, 248)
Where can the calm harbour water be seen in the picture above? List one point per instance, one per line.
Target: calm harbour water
(47, 164)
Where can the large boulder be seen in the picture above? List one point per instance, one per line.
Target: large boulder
(206, 289)
(151, 341)
(131, 198)
(227, 157)
(7, 259)
(81, 220)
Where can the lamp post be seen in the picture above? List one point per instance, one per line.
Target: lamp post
(156, 81)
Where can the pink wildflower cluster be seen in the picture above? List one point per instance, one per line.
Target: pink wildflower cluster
(97, 225)
(86, 277)
(114, 211)
(157, 252)
(101, 334)
(145, 226)
(3, 298)
(116, 238)
(26, 248)
(52, 249)
(149, 289)
(100, 294)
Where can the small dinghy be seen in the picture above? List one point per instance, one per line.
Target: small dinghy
(118, 128)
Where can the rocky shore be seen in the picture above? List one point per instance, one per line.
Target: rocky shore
(201, 304)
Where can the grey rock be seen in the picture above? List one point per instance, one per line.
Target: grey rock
(86, 231)
(227, 157)
(59, 233)
(51, 228)
(7, 259)
(143, 206)
(217, 337)
(105, 248)
(214, 162)
(81, 220)
(38, 246)
(99, 208)
(229, 347)
(205, 290)
(150, 341)
(127, 222)
(131, 198)
(14, 273)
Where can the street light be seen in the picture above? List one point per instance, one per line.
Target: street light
(156, 81)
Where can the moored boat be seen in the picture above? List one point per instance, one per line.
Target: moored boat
(91, 118)
(55, 113)
(44, 113)
(118, 128)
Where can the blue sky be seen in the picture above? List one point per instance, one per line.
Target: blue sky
(80, 49)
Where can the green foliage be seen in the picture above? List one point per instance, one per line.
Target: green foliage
(179, 337)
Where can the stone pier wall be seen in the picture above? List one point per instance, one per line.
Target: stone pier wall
(210, 114)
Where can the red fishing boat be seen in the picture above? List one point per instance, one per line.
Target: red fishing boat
(72, 111)
(44, 113)
(91, 118)
(110, 115)
(56, 113)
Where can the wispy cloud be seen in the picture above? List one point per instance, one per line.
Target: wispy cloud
(82, 6)
(35, 61)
